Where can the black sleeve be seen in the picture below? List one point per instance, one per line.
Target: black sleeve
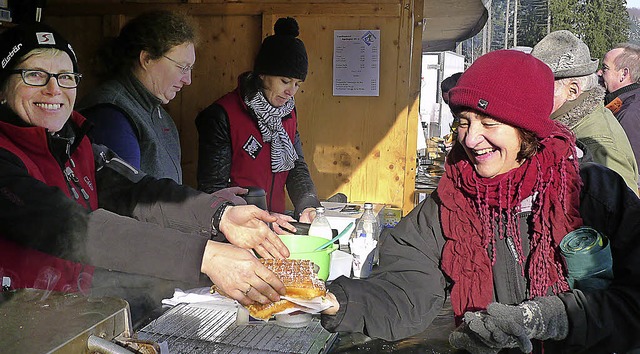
(214, 149)
(300, 187)
(608, 320)
(128, 192)
(406, 292)
(39, 216)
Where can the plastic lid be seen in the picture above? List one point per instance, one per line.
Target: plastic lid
(293, 321)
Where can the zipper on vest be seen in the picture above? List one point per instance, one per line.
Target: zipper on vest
(512, 248)
(273, 182)
(122, 162)
(73, 180)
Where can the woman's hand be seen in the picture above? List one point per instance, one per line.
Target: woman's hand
(282, 226)
(232, 194)
(240, 275)
(335, 305)
(308, 215)
(246, 226)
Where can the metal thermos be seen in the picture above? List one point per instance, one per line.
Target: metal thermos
(256, 196)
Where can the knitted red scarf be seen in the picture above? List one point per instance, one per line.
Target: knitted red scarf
(471, 206)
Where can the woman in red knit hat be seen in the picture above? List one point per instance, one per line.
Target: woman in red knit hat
(489, 236)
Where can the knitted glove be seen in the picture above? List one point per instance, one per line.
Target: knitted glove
(506, 326)
(232, 194)
(464, 338)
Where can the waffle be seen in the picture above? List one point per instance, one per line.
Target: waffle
(300, 280)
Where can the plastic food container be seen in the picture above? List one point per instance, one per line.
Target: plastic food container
(298, 320)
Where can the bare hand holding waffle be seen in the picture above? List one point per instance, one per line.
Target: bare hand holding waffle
(301, 283)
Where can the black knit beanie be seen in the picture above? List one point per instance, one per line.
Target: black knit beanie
(282, 54)
(20, 40)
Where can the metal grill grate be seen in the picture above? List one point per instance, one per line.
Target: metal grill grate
(191, 329)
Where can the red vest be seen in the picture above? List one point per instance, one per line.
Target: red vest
(251, 157)
(29, 268)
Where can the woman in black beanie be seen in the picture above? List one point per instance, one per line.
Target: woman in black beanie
(74, 217)
(249, 137)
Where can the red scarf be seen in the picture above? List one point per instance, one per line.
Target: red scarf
(471, 206)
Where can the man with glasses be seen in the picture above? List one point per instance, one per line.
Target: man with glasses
(619, 74)
(146, 65)
(577, 103)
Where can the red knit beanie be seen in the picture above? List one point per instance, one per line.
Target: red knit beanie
(510, 86)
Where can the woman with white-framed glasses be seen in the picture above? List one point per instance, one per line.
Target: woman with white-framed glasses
(145, 66)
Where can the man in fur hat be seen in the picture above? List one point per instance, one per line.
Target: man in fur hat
(578, 103)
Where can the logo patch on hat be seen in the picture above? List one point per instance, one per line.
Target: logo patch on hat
(45, 38)
(252, 147)
(482, 104)
(13, 52)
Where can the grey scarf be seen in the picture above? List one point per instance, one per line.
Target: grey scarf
(283, 154)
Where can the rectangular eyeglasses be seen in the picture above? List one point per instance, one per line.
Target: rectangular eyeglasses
(183, 68)
(41, 78)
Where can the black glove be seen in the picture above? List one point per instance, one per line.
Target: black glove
(506, 326)
(465, 338)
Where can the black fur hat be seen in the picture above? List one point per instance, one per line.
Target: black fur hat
(282, 54)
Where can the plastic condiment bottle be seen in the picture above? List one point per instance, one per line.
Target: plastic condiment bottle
(320, 226)
(364, 243)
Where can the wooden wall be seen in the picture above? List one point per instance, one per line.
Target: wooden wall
(364, 147)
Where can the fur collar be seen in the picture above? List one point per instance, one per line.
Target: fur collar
(572, 112)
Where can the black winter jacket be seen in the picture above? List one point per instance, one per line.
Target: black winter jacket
(407, 291)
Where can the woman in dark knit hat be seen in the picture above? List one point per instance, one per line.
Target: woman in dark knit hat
(249, 137)
(489, 236)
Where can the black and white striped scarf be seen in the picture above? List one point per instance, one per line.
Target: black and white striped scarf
(269, 117)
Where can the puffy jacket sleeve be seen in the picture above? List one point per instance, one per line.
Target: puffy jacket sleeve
(406, 292)
(214, 149)
(608, 320)
(149, 226)
(142, 226)
(300, 187)
(39, 216)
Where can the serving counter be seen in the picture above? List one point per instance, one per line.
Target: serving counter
(205, 329)
(433, 340)
(34, 321)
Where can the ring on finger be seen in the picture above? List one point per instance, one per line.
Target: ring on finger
(247, 292)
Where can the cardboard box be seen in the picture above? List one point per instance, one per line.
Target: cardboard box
(391, 217)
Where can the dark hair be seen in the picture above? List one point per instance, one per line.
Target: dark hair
(529, 146)
(450, 82)
(156, 32)
(250, 84)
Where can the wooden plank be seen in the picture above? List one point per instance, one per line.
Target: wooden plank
(227, 48)
(111, 25)
(415, 74)
(361, 146)
(209, 9)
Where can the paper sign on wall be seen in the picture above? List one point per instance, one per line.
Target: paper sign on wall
(356, 63)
